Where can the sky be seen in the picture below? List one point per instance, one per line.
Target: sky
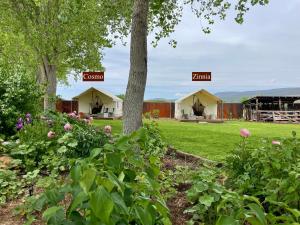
(262, 53)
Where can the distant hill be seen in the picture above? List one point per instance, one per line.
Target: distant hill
(237, 96)
(160, 100)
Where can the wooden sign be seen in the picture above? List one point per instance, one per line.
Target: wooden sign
(201, 76)
(93, 76)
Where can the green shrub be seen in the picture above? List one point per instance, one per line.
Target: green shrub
(116, 184)
(19, 94)
(261, 187)
(155, 113)
(147, 115)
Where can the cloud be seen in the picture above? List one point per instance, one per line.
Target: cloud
(262, 53)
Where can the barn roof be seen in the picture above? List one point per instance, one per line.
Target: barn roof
(101, 91)
(272, 99)
(202, 91)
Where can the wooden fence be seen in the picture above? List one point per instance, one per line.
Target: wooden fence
(166, 109)
(230, 111)
(65, 106)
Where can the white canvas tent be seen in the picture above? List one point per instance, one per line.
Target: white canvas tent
(96, 101)
(184, 105)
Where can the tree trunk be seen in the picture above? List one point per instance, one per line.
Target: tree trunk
(133, 103)
(47, 76)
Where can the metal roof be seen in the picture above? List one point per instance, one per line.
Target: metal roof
(270, 99)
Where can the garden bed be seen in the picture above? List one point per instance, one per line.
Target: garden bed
(177, 204)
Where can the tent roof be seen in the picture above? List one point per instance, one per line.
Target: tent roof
(101, 91)
(195, 92)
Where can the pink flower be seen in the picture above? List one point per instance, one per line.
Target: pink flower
(85, 120)
(245, 133)
(107, 129)
(91, 118)
(73, 115)
(51, 134)
(68, 127)
(276, 142)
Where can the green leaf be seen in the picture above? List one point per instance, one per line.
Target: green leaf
(119, 202)
(95, 152)
(73, 144)
(54, 215)
(62, 150)
(226, 220)
(81, 197)
(76, 173)
(144, 216)
(101, 204)
(259, 214)
(87, 179)
(113, 159)
(114, 179)
(295, 212)
(206, 200)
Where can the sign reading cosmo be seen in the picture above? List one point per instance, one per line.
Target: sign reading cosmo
(93, 76)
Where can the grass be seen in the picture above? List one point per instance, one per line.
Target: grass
(212, 141)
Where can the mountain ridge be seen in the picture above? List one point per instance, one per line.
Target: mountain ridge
(237, 96)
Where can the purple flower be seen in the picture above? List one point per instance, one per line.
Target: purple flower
(19, 126)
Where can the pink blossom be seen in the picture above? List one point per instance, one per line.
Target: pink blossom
(85, 120)
(107, 129)
(51, 134)
(73, 115)
(276, 142)
(68, 127)
(244, 133)
(91, 118)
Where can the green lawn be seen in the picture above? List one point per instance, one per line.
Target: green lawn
(212, 141)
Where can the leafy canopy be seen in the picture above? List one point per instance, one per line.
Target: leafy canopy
(69, 34)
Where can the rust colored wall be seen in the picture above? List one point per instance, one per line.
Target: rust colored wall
(230, 111)
(66, 106)
(166, 109)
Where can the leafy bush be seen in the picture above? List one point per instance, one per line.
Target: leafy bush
(39, 150)
(49, 145)
(19, 94)
(261, 186)
(147, 115)
(116, 184)
(155, 113)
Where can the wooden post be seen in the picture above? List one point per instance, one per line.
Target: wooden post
(279, 102)
(256, 108)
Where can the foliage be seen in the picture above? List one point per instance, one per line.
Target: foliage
(60, 31)
(10, 185)
(37, 150)
(269, 172)
(18, 95)
(155, 113)
(35, 153)
(147, 115)
(116, 184)
(261, 186)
